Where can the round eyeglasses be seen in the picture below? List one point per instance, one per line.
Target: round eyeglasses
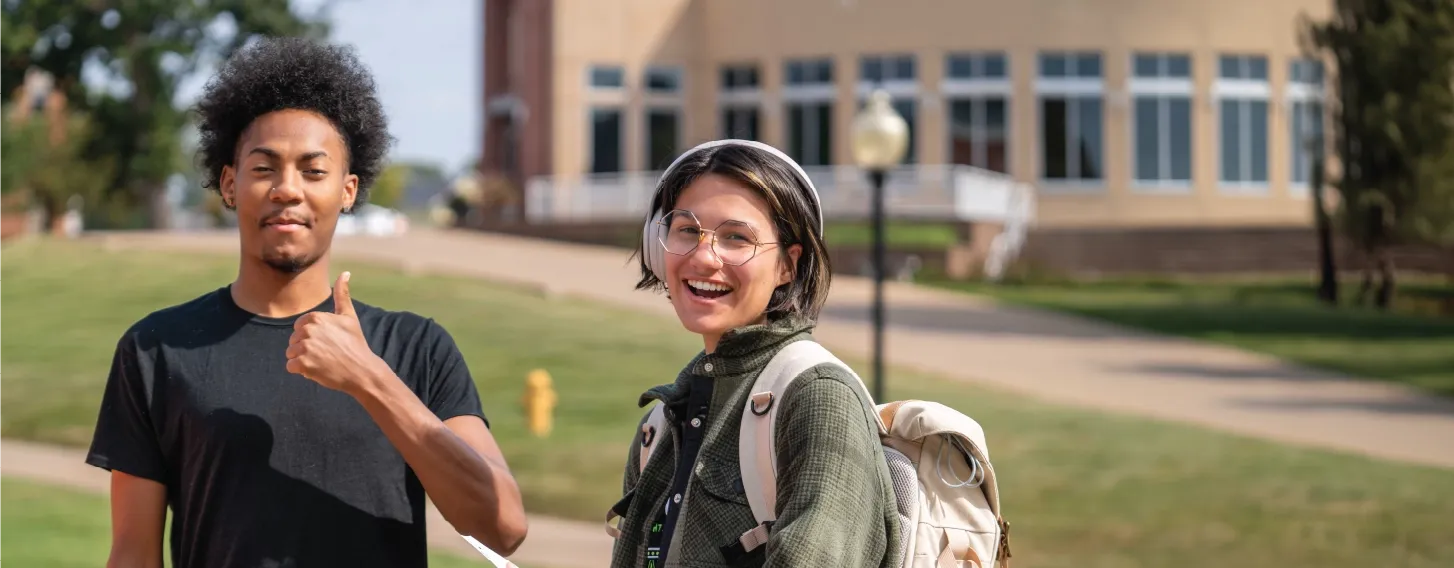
(733, 242)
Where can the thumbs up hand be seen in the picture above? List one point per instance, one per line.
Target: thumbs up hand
(330, 349)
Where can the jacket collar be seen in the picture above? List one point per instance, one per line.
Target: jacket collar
(739, 355)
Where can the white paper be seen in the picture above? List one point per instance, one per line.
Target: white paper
(492, 556)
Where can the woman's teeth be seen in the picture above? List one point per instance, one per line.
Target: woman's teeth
(708, 289)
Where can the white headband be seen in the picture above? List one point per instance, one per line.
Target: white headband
(812, 190)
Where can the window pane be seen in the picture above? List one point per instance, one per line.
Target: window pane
(1230, 115)
(739, 123)
(795, 73)
(1258, 126)
(961, 127)
(960, 67)
(904, 68)
(1230, 67)
(1088, 65)
(872, 70)
(1148, 146)
(996, 134)
(1178, 66)
(1298, 139)
(810, 133)
(1147, 65)
(824, 124)
(661, 138)
(1257, 68)
(605, 140)
(994, 66)
(1089, 139)
(1314, 72)
(663, 80)
(1180, 135)
(1053, 136)
(1052, 65)
(823, 71)
(607, 77)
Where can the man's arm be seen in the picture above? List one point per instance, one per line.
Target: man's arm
(125, 444)
(457, 461)
(138, 519)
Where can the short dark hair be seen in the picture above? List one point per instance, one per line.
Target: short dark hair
(795, 214)
(294, 73)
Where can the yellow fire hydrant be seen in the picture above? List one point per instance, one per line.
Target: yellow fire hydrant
(539, 402)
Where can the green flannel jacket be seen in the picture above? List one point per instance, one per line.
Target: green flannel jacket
(835, 503)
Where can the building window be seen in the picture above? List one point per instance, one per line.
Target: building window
(979, 129)
(818, 71)
(810, 133)
(740, 122)
(663, 80)
(663, 137)
(605, 140)
(1242, 94)
(1305, 99)
(880, 69)
(1072, 139)
(1161, 89)
(740, 99)
(975, 66)
(739, 77)
(607, 77)
(809, 94)
(977, 90)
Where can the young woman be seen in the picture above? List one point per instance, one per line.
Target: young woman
(735, 239)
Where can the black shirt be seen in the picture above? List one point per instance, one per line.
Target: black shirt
(263, 467)
(690, 418)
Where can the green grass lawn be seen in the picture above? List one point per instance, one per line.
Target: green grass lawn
(51, 527)
(896, 233)
(1081, 488)
(1278, 317)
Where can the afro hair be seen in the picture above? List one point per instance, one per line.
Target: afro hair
(300, 74)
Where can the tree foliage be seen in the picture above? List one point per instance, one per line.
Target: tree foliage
(142, 50)
(388, 190)
(1394, 124)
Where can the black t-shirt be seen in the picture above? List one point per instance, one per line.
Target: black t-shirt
(264, 467)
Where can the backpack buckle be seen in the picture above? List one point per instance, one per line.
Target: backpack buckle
(763, 399)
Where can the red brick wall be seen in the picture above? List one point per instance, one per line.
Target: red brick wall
(13, 224)
(1211, 250)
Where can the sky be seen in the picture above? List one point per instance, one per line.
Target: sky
(426, 59)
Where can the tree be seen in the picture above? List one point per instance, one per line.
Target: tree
(1394, 126)
(389, 188)
(147, 47)
(45, 161)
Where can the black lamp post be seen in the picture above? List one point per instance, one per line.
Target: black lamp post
(880, 138)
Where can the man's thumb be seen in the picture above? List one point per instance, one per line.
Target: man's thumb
(342, 301)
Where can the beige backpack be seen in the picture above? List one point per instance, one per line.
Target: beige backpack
(948, 499)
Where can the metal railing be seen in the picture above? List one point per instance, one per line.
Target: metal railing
(931, 192)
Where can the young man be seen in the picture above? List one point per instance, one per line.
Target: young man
(286, 424)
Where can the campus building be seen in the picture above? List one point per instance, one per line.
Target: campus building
(1116, 113)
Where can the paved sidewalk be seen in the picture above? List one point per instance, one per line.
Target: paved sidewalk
(1051, 356)
(551, 542)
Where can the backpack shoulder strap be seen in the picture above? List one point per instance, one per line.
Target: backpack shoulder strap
(651, 431)
(756, 445)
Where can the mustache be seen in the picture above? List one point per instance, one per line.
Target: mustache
(285, 216)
